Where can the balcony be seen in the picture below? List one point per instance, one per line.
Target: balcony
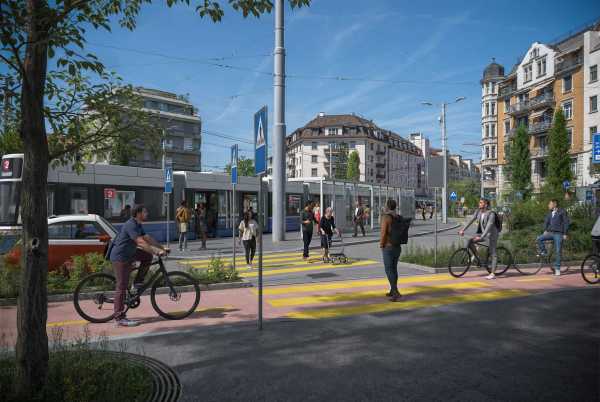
(539, 152)
(539, 127)
(380, 165)
(568, 64)
(489, 162)
(518, 108)
(544, 100)
(380, 175)
(489, 183)
(506, 91)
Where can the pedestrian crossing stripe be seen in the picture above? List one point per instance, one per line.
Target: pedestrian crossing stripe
(352, 296)
(242, 259)
(542, 279)
(334, 312)
(319, 267)
(349, 284)
(271, 266)
(255, 262)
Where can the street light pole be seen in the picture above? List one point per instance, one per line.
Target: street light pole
(445, 172)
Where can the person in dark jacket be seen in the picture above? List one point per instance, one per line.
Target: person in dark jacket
(326, 229)
(389, 251)
(556, 226)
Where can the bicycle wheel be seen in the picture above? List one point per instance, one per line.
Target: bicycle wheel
(504, 261)
(526, 262)
(94, 297)
(175, 296)
(459, 262)
(590, 269)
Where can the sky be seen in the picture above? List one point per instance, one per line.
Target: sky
(398, 54)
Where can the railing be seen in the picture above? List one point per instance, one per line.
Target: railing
(519, 107)
(542, 100)
(505, 91)
(539, 127)
(489, 161)
(380, 175)
(539, 152)
(380, 152)
(380, 164)
(566, 64)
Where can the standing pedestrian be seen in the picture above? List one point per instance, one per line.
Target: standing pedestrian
(358, 219)
(201, 228)
(390, 244)
(327, 227)
(307, 217)
(182, 215)
(317, 213)
(556, 226)
(423, 208)
(431, 211)
(367, 214)
(248, 230)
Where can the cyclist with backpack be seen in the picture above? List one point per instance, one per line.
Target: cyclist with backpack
(394, 233)
(489, 226)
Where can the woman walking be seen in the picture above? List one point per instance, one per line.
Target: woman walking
(183, 215)
(248, 230)
(326, 228)
(201, 228)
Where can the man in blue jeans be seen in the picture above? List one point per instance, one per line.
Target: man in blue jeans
(556, 226)
(389, 250)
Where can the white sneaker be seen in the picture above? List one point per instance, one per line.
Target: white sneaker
(249, 266)
(557, 272)
(490, 276)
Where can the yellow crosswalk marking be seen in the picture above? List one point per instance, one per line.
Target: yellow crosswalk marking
(406, 305)
(283, 262)
(351, 296)
(241, 259)
(350, 284)
(541, 279)
(319, 267)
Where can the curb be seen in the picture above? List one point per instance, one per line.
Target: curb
(67, 297)
(419, 234)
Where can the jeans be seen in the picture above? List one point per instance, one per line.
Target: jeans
(250, 248)
(557, 239)
(306, 238)
(390, 262)
(183, 240)
(122, 270)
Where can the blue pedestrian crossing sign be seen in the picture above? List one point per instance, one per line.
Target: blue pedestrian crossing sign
(453, 196)
(596, 149)
(234, 164)
(260, 141)
(168, 179)
(566, 184)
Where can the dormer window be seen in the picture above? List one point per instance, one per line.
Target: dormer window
(331, 131)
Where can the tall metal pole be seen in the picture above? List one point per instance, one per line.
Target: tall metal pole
(278, 226)
(233, 224)
(260, 251)
(445, 152)
(435, 230)
(332, 176)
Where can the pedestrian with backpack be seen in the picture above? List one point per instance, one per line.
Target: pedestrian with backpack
(394, 233)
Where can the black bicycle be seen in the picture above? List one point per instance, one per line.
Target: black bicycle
(530, 261)
(463, 259)
(174, 295)
(590, 269)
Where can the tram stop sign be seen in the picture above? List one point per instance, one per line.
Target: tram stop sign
(109, 193)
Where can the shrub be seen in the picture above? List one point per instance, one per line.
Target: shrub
(215, 273)
(10, 279)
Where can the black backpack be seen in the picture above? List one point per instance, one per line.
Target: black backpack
(399, 230)
(498, 221)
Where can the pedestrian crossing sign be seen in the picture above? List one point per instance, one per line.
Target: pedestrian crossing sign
(260, 141)
(453, 196)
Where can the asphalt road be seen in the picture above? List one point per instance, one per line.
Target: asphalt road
(544, 347)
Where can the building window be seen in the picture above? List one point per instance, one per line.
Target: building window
(313, 172)
(493, 130)
(487, 152)
(574, 166)
(188, 145)
(506, 104)
(493, 87)
(313, 158)
(331, 131)
(541, 67)
(313, 146)
(568, 110)
(570, 135)
(567, 83)
(507, 127)
(487, 130)
(593, 104)
(594, 73)
(528, 69)
(352, 145)
(493, 152)
(593, 130)
(487, 109)
(371, 146)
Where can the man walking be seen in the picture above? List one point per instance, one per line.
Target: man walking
(200, 213)
(390, 245)
(487, 232)
(307, 217)
(358, 219)
(556, 226)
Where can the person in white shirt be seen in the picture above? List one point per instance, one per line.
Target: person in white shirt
(248, 229)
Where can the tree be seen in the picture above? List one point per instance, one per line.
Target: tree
(559, 160)
(341, 161)
(353, 171)
(245, 167)
(32, 32)
(519, 164)
(470, 189)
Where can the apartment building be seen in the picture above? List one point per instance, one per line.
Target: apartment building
(591, 92)
(182, 126)
(548, 77)
(385, 157)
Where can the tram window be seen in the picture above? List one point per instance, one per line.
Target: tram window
(79, 200)
(293, 205)
(152, 199)
(117, 204)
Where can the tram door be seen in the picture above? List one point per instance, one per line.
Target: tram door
(210, 200)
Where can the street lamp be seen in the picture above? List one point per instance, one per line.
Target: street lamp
(445, 154)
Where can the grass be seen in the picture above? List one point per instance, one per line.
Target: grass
(82, 371)
(425, 256)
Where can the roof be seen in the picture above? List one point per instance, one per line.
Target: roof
(72, 217)
(339, 120)
(493, 70)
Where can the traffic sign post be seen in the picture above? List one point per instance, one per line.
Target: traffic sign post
(260, 168)
(596, 149)
(566, 185)
(168, 191)
(234, 180)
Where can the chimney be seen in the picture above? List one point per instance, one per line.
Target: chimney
(321, 114)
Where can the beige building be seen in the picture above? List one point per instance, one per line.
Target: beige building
(548, 77)
(385, 157)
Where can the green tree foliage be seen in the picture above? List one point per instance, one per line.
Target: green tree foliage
(341, 161)
(559, 160)
(519, 163)
(353, 171)
(245, 167)
(33, 36)
(10, 142)
(468, 188)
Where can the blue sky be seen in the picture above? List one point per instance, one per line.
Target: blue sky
(447, 42)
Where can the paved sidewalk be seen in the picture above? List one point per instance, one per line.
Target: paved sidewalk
(293, 242)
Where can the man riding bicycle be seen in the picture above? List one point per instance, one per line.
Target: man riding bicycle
(487, 232)
(556, 226)
(132, 244)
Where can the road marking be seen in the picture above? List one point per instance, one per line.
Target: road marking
(322, 267)
(350, 284)
(406, 305)
(242, 258)
(84, 322)
(352, 296)
(270, 264)
(542, 279)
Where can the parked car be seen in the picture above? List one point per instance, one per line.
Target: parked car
(71, 235)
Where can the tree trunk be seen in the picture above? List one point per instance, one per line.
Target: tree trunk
(32, 339)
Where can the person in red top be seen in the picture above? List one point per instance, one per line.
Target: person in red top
(317, 214)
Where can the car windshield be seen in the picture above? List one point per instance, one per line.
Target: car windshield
(9, 203)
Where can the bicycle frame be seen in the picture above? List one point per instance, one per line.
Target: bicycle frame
(148, 283)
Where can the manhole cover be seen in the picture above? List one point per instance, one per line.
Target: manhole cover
(323, 275)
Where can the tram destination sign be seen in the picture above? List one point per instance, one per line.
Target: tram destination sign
(12, 168)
